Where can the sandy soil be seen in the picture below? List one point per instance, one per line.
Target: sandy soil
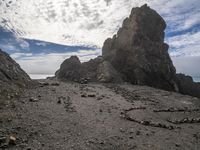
(72, 116)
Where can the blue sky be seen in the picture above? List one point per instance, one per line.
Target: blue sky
(40, 34)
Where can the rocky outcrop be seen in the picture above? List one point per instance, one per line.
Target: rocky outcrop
(70, 69)
(94, 70)
(187, 86)
(138, 50)
(136, 54)
(11, 75)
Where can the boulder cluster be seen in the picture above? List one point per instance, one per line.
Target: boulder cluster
(136, 54)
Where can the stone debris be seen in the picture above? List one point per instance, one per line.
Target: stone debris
(185, 120)
(55, 84)
(147, 123)
(176, 110)
(32, 99)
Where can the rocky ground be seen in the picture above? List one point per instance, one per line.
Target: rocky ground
(73, 116)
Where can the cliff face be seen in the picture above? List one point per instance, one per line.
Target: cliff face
(138, 50)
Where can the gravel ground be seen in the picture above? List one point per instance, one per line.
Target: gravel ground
(72, 116)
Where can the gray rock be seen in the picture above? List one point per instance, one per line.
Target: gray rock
(12, 77)
(70, 69)
(107, 73)
(138, 51)
(136, 54)
(187, 86)
(10, 71)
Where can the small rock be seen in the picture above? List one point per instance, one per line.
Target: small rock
(33, 99)
(91, 95)
(138, 132)
(83, 95)
(131, 137)
(55, 84)
(12, 140)
(59, 101)
(83, 81)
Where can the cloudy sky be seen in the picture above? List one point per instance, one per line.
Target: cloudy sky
(40, 34)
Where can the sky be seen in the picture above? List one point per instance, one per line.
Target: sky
(41, 34)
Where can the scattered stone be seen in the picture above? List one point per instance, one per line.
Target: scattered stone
(176, 110)
(59, 101)
(55, 84)
(83, 81)
(43, 84)
(91, 95)
(185, 120)
(83, 95)
(32, 99)
(12, 140)
(100, 97)
(138, 132)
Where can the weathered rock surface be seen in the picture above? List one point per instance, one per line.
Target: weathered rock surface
(138, 50)
(136, 54)
(11, 75)
(187, 86)
(107, 73)
(70, 69)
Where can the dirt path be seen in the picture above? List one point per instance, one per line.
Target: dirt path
(72, 116)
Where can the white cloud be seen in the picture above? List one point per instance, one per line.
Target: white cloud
(188, 65)
(90, 22)
(185, 45)
(75, 22)
(49, 63)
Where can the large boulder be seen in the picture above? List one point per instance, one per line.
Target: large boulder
(70, 69)
(138, 51)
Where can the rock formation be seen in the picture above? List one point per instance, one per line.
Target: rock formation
(136, 54)
(138, 50)
(11, 75)
(187, 86)
(94, 70)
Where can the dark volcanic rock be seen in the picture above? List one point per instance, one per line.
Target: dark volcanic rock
(187, 86)
(138, 50)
